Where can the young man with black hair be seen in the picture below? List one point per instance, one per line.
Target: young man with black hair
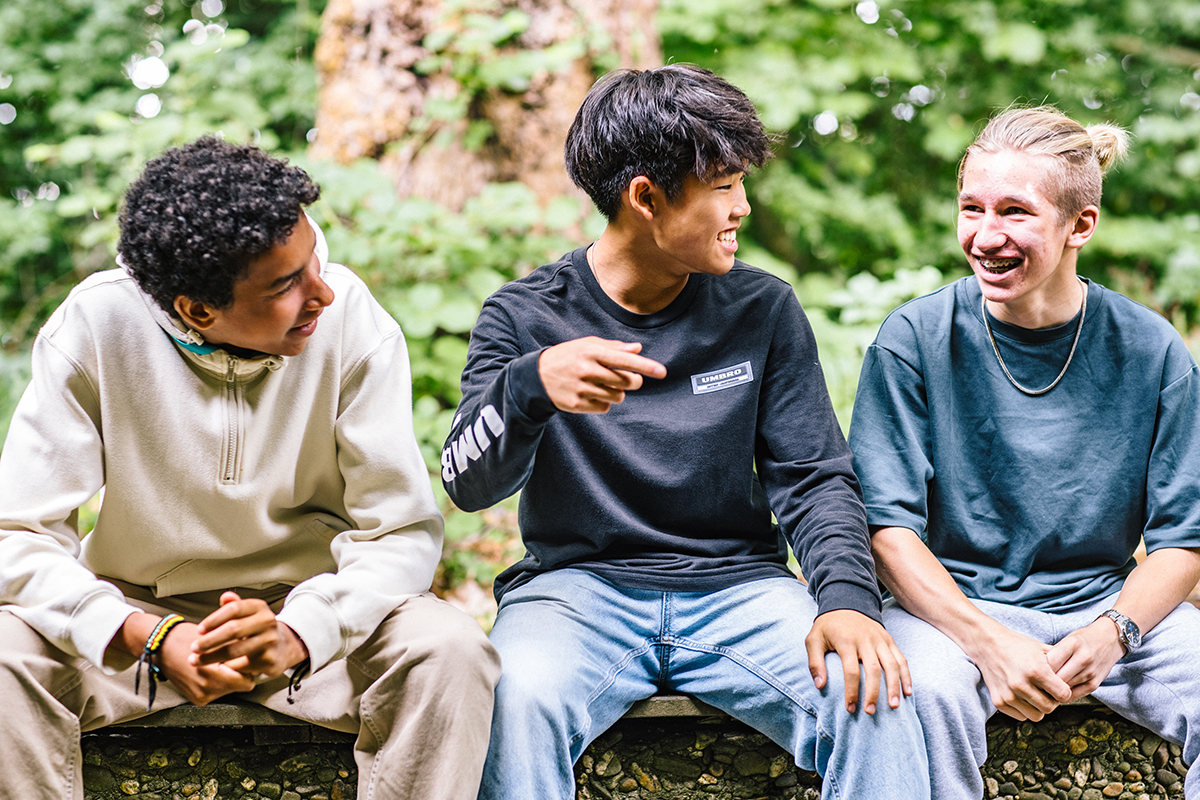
(656, 401)
(266, 517)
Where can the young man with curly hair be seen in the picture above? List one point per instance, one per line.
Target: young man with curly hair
(1017, 433)
(656, 401)
(267, 526)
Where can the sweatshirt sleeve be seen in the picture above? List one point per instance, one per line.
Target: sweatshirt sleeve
(52, 464)
(500, 420)
(393, 547)
(805, 468)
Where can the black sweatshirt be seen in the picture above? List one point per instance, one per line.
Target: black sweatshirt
(673, 489)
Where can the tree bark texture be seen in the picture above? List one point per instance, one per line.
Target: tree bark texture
(387, 77)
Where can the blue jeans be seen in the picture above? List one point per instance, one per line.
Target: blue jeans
(577, 652)
(1155, 686)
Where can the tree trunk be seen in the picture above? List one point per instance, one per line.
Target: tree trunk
(449, 98)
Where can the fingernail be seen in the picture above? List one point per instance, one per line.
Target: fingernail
(871, 709)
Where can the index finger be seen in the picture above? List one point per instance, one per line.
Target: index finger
(231, 623)
(1054, 687)
(228, 611)
(631, 362)
(1058, 655)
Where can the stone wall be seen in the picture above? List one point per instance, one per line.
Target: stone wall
(1077, 753)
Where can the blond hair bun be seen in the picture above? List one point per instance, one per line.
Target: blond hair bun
(1110, 143)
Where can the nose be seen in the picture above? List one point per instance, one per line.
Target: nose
(741, 203)
(319, 293)
(990, 234)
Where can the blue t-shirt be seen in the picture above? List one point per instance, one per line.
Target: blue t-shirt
(673, 489)
(1032, 501)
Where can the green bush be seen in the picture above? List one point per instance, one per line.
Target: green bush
(81, 127)
(873, 102)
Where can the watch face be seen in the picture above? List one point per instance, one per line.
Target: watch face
(1127, 629)
(1131, 633)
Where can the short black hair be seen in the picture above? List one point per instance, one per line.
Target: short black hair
(199, 214)
(665, 124)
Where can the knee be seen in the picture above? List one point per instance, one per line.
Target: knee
(31, 669)
(24, 648)
(540, 681)
(430, 637)
(459, 647)
(952, 700)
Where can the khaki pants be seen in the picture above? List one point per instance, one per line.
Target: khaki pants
(418, 694)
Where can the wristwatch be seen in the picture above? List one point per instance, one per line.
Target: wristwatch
(1127, 630)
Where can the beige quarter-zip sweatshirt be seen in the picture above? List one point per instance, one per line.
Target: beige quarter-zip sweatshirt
(218, 471)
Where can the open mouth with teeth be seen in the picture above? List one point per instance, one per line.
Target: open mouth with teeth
(727, 237)
(998, 266)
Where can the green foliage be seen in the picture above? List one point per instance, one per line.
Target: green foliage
(81, 127)
(873, 100)
(876, 101)
(14, 375)
(432, 268)
(481, 45)
(845, 312)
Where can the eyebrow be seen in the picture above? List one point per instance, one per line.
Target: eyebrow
(1015, 199)
(285, 279)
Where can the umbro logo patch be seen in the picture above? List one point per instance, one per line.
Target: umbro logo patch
(724, 378)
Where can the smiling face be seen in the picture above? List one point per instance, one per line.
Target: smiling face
(699, 228)
(275, 306)
(1022, 252)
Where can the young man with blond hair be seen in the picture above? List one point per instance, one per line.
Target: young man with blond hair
(1017, 433)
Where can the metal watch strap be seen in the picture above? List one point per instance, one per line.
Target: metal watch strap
(1127, 630)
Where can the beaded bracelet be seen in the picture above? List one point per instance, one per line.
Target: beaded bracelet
(154, 644)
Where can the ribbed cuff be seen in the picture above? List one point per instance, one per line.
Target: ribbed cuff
(526, 388)
(843, 594)
(317, 625)
(93, 627)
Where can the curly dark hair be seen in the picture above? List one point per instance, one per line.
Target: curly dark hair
(665, 124)
(199, 214)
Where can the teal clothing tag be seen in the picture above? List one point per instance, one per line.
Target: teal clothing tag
(198, 349)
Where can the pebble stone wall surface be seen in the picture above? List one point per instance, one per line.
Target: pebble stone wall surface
(1085, 753)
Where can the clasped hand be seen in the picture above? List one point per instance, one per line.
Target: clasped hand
(1028, 679)
(229, 651)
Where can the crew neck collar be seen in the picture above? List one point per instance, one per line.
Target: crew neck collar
(1037, 335)
(668, 313)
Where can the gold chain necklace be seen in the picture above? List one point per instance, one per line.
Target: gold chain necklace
(996, 349)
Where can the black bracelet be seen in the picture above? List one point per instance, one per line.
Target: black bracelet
(153, 647)
(299, 672)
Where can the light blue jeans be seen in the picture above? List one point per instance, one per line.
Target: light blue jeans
(1155, 686)
(577, 652)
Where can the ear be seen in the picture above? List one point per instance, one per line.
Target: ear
(1083, 227)
(196, 315)
(644, 197)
